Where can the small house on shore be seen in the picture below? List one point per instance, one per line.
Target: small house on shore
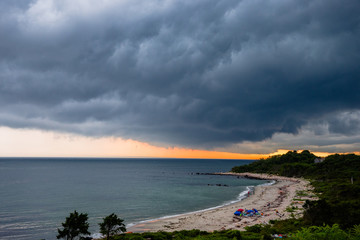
(319, 160)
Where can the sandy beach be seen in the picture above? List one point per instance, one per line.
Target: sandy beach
(271, 201)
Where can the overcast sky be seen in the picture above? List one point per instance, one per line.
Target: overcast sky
(246, 76)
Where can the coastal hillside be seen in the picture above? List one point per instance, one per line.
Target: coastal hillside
(335, 179)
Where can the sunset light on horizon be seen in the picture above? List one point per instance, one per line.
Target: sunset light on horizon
(35, 143)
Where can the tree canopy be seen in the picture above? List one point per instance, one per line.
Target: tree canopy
(111, 225)
(75, 225)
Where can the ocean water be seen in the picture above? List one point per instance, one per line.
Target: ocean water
(37, 194)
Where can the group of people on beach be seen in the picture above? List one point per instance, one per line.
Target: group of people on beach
(253, 212)
(247, 213)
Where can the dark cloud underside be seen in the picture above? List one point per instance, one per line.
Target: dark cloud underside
(208, 73)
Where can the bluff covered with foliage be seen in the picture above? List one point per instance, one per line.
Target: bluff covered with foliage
(336, 181)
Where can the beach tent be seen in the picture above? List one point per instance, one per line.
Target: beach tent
(237, 213)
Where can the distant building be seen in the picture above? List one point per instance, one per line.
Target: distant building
(319, 160)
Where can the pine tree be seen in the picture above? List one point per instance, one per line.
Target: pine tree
(111, 225)
(76, 224)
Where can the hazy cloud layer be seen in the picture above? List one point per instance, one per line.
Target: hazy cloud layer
(314, 136)
(204, 73)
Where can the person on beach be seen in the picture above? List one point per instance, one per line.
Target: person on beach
(277, 213)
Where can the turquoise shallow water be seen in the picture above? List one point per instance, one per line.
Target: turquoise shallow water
(38, 194)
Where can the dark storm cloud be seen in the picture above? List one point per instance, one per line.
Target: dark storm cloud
(207, 73)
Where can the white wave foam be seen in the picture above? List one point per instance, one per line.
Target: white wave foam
(268, 183)
(96, 235)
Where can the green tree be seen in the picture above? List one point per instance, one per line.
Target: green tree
(112, 225)
(325, 232)
(75, 225)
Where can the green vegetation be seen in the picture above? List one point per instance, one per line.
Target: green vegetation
(256, 232)
(327, 233)
(291, 209)
(291, 164)
(75, 225)
(111, 225)
(188, 235)
(336, 215)
(192, 234)
(336, 182)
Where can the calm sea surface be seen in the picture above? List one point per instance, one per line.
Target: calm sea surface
(36, 195)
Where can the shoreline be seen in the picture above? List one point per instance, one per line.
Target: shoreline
(240, 198)
(280, 195)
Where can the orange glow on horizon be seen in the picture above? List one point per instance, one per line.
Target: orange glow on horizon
(36, 143)
(193, 153)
